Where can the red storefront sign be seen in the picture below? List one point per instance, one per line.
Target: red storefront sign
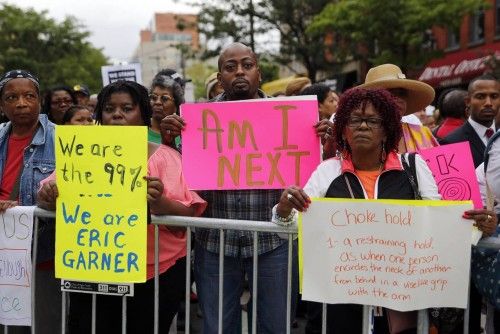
(458, 67)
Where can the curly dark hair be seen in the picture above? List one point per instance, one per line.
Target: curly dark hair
(137, 92)
(318, 89)
(384, 104)
(47, 99)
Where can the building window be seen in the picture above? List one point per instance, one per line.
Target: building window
(172, 37)
(476, 27)
(453, 41)
(497, 17)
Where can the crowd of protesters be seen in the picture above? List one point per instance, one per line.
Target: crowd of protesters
(366, 134)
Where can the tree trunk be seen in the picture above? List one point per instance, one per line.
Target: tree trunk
(252, 29)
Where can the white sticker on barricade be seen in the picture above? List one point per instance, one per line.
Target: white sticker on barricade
(16, 233)
(98, 288)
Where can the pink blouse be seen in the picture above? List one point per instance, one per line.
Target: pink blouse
(165, 164)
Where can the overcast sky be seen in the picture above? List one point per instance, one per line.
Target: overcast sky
(114, 24)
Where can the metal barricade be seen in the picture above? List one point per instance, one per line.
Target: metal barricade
(221, 224)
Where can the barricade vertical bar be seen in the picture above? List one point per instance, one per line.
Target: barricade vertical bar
(367, 310)
(33, 275)
(221, 278)
(124, 315)
(255, 281)
(467, 313)
(323, 319)
(157, 280)
(423, 322)
(289, 284)
(5, 329)
(63, 312)
(94, 304)
(187, 321)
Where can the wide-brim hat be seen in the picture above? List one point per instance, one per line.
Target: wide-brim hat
(210, 83)
(388, 76)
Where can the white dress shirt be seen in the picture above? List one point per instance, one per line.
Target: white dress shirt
(481, 129)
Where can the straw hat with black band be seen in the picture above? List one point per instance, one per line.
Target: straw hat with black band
(389, 76)
(210, 82)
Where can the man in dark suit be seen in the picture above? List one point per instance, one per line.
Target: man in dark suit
(483, 103)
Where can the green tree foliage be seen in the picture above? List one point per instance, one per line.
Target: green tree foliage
(269, 70)
(395, 31)
(222, 22)
(253, 22)
(291, 19)
(198, 72)
(57, 52)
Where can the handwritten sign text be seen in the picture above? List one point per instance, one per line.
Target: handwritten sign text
(101, 208)
(395, 254)
(255, 144)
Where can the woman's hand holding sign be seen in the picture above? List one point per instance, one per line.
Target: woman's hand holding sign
(155, 189)
(485, 220)
(324, 130)
(292, 198)
(171, 127)
(7, 204)
(47, 195)
(160, 204)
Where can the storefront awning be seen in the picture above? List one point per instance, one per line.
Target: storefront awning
(459, 67)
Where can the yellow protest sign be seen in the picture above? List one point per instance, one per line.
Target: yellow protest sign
(101, 214)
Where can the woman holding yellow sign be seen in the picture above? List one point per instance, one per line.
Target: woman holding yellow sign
(367, 131)
(127, 103)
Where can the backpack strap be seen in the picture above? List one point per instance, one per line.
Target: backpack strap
(411, 171)
(488, 148)
(490, 198)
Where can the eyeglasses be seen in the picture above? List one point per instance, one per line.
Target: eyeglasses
(371, 122)
(163, 98)
(62, 101)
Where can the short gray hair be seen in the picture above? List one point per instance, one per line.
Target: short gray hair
(164, 81)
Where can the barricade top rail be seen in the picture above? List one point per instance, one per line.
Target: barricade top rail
(234, 224)
(226, 224)
(203, 222)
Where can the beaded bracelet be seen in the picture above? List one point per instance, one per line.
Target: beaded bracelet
(283, 221)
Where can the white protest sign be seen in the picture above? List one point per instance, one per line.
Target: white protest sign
(403, 255)
(129, 72)
(16, 232)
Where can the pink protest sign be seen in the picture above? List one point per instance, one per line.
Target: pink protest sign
(453, 169)
(253, 144)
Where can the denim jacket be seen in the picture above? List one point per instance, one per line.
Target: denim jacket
(38, 163)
